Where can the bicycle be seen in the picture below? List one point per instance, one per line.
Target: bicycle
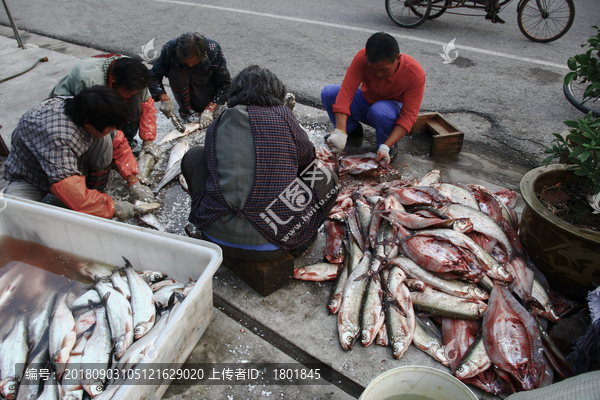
(539, 20)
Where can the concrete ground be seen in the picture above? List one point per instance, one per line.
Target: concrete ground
(292, 324)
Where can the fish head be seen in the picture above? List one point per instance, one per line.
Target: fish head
(502, 273)
(399, 348)
(367, 336)
(8, 387)
(440, 355)
(94, 389)
(478, 293)
(141, 329)
(463, 371)
(463, 225)
(347, 340)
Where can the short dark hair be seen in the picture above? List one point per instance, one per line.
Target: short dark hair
(99, 106)
(190, 45)
(381, 46)
(130, 74)
(256, 85)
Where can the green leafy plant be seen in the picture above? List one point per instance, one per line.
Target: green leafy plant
(581, 146)
(586, 67)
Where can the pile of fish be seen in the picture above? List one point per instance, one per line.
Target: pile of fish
(440, 265)
(113, 324)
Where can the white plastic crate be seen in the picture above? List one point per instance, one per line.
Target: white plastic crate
(108, 241)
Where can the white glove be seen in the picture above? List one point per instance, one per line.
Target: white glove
(167, 108)
(383, 153)
(137, 191)
(125, 210)
(206, 118)
(337, 141)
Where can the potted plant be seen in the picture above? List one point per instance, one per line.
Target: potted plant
(567, 254)
(582, 84)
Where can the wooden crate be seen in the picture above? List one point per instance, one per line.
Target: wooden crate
(447, 138)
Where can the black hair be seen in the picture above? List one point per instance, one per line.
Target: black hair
(190, 45)
(381, 46)
(99, 106)
(256, 85)
(130, 74)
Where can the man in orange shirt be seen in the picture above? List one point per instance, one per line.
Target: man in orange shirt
(382, 88)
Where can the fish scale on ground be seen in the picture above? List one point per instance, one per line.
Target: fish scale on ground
(454, 254)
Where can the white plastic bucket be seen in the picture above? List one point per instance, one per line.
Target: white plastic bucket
(416, 383)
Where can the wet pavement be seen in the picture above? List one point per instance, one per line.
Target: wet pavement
(292, 324)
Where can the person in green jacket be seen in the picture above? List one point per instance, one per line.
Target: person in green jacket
(130, 79)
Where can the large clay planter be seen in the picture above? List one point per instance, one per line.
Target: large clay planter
(567, 255)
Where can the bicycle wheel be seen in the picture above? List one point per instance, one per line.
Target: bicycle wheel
(408, 13)
(437, 10)
(574, 93)
(545, 20)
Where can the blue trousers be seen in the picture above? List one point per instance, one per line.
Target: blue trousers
(381, 115)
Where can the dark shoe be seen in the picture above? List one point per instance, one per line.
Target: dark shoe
(357, 133)
(393, 153)
(192, 231)
(494, 18)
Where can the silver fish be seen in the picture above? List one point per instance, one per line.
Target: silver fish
(72, 389)
(540, 294)
(445, 305)
(454, 287)
(152, 221)
(161, 284)
(400, 315)
(170, 174)
(319, 272)
(38, 356)
(493, 267)
(373, 315)
(183, 183)
(142, 301)
(84, 300)
(177, 152)
(431, 178)
(457, 194)
(163, 295)
(483, 224)
(38, 322)
(13, 351)
(337, 291)
(119, 283)
(475, 361)
(152, 276)
(120, 318)
(91, 269)
(51, 390)
(175, 134)
(427, 341)
(349, 314)
(97, 351)
(84, 322)
(146, 162)
(62, 335)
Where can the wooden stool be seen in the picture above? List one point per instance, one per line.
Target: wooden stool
(447, 138)
(263, 276)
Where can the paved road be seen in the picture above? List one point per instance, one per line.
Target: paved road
(504, 91)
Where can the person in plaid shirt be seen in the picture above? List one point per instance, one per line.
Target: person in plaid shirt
(256, 186)
(58, 144)
(198, 75)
